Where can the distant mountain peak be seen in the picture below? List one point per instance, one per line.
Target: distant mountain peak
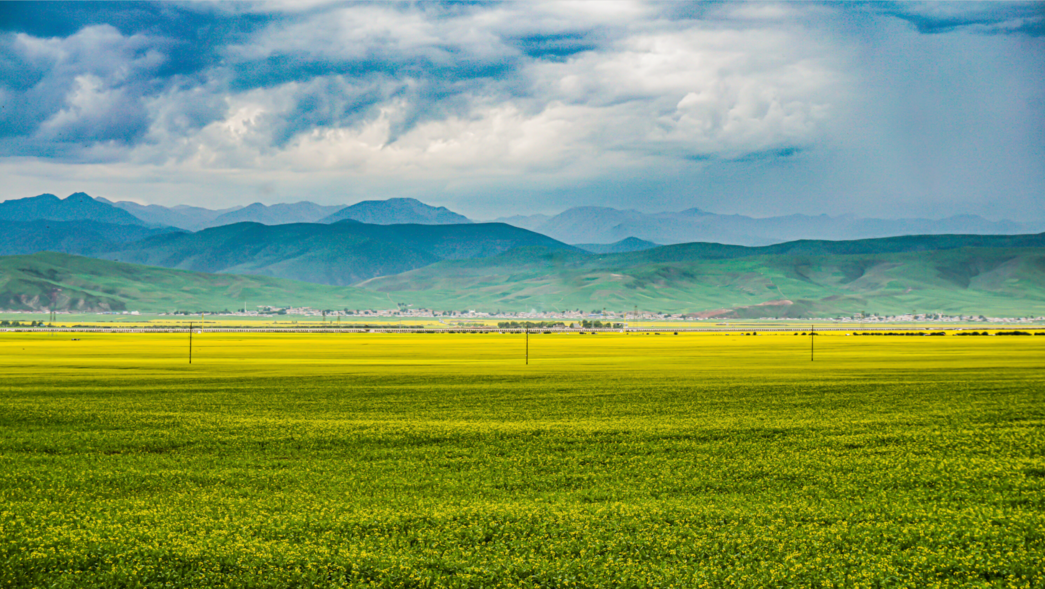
(628, 244)
(397, 211)
(78, 206)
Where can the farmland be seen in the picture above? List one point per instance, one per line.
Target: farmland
(610, 460)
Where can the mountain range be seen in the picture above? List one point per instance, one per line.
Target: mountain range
(999, 275)
(968, 275)
(603, 225)
(446, 261)
(396, 211)
(340, 253)
(77, 207)
(379, 212)
(597, 228)
(72, 237)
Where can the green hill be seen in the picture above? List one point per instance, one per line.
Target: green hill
(970, 275)
(809, 279)
(339, 254)
(87, 284)
(71, 237)
(628, 244)
(396, 211)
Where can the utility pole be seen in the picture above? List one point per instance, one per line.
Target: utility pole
(190, 342)
(527, 346)
(812, 340)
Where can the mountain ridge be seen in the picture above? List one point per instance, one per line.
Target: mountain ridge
(603, 225)
(339, 253)
(75, 207)
(396, 211)
(792, 283)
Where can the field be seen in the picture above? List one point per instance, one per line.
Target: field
(610, 460)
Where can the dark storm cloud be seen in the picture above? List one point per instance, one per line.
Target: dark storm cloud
(82, 89)
(134, 52)
(77, 74)
(556, 46)
(1022, 18)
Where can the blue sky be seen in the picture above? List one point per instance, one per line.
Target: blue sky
(494, 108)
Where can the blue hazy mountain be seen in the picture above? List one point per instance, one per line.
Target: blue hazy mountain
(340, 253)
(277, 214)
(605, 225)
(76, 207)
(395, 211)
(71, 237)
(630, 244)
(181, 216)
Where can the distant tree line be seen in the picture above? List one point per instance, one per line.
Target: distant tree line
(901, 333)
(1001, 333)
(529, 324)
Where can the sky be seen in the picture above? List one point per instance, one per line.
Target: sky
(498, 108)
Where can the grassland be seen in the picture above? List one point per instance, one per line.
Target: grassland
(994, 281)
(443, 461)
(87, 284)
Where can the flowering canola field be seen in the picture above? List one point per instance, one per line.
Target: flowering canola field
(610, 460)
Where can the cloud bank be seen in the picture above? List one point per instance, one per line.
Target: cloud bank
(885, 108)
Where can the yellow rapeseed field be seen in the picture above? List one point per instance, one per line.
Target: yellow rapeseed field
(443, 460)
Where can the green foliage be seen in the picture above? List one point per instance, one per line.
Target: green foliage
(529, 324)
(443, 461)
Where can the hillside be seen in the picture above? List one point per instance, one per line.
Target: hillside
(339, 253)
(71, 237)
(804, 279)
(87, 284)
(630, 244)
(396, 211)
(77, 207)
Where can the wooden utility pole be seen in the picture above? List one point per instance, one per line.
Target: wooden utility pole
(812, 342)
(527, 346)
(190, 342)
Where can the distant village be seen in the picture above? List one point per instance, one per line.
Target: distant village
(604, 315)
(566, 317)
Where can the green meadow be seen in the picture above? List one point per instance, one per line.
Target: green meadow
(610, 460)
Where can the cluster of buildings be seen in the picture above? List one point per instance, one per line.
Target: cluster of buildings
(573, 316)
(934, 318)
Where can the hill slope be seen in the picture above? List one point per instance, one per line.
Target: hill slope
(630, 244)
(77, 207)
(340, 253)
(87, 284)
(951, 274)
(396, 211)
(71, 237)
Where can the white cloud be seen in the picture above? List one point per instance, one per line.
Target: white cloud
(674, 92)
(406, 97)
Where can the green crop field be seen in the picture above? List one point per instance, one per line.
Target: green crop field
(611, 460)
